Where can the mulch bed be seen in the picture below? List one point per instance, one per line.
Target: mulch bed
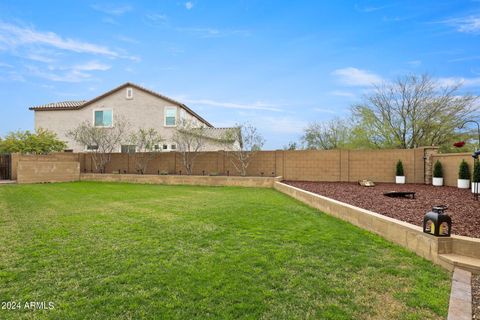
(476, 296)
(462, 207)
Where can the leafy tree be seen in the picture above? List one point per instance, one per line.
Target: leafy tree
(326, 135)
(250, 141)
(464, 170)
(26, 142)
(399, 169)
(146, 141)
(190, 139)
(101, 141)
(437, 170)
(413, 111)
(291, 146)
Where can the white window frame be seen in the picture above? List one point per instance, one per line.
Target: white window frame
(129, 93)
(93, 120)
(165, 116)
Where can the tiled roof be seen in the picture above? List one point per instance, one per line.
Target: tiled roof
(61, 105)
(74, 105)
(217, 133)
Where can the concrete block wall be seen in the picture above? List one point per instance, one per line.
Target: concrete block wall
(450, 164)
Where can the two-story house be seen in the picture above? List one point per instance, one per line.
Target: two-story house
(140, 107)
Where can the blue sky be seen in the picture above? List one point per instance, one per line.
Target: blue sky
(277, 64)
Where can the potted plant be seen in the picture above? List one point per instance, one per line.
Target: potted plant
(399, 176)
(476, 176)
(437, 174)
(463, 181)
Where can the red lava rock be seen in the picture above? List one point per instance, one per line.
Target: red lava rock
(462, 207)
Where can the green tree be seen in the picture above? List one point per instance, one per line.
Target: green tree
(413, 111)
(326, 135)
(464, 170)
(399, 169)
(26, 142)
(437, 170)
(476, 171)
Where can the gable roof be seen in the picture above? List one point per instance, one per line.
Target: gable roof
(76, 105)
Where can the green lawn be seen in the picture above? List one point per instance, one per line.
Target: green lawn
(124, 251)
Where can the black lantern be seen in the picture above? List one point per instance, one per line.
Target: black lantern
(437, 222)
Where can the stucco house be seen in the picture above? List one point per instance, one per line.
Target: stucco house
(141, 107)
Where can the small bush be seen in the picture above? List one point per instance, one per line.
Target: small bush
(438, 170)
(399, 171)
(464, 170)
(476, 171)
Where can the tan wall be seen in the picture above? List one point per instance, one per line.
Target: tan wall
(37, 171)
(450, 164)
(307, 165)
(257, 182)
(64, 156)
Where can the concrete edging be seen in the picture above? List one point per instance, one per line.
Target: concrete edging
(258, 182)
(460, 305)
(446, 252)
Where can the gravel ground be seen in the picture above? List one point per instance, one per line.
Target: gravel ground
(476, 296)
(464, 210)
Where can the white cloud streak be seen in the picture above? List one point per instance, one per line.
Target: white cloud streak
(470, 24)
(111, 9)
(233, 105)
(356, 77)
(13, 36)
(189, 5)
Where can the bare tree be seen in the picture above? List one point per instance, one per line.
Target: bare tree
(250, 141)
(326, 135)
(101, 141)
(146, 142)
(190, 139)
(413, 111)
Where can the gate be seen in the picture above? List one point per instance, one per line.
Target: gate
(5, 166)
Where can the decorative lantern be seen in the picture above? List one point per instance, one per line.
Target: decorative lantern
(437, 222)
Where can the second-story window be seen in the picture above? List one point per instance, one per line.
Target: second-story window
(103, 118)
(129, 94)
(170, 116)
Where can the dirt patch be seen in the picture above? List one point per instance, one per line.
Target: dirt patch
(462, 207)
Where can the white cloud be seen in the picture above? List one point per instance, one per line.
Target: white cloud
(233, 105)
(157, 17)
(470, 24)
(281, 125)
(76, 73)
(356, 77)
(189, 5)
(414, 63)
(213, 32)
(341, 93)
(13, 36)
(466, 82)
(111, 9)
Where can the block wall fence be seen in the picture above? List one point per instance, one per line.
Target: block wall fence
(304, 165)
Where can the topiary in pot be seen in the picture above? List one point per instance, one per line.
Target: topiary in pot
(399, 175)
(437, 174)
(463, 181)
(476, 176)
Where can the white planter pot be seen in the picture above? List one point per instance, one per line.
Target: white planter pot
(400, 179)
(473, 187)
(437, 182)
(463, 183)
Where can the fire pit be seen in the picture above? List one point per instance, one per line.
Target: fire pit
(400, 194)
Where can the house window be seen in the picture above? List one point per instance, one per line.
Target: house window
(92, 147)
(157, 147)
(103, 118)
(165, 147)
(129, 94)
(129, 148)
(173, 146)
(170, 116)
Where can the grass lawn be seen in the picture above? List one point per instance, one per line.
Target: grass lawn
(125, 251)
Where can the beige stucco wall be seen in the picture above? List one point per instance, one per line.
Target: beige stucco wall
(143, 111)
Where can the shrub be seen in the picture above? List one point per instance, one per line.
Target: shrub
(464, 170)
(437, 170)
(476, 171)
(26, 142)
(399, 168)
